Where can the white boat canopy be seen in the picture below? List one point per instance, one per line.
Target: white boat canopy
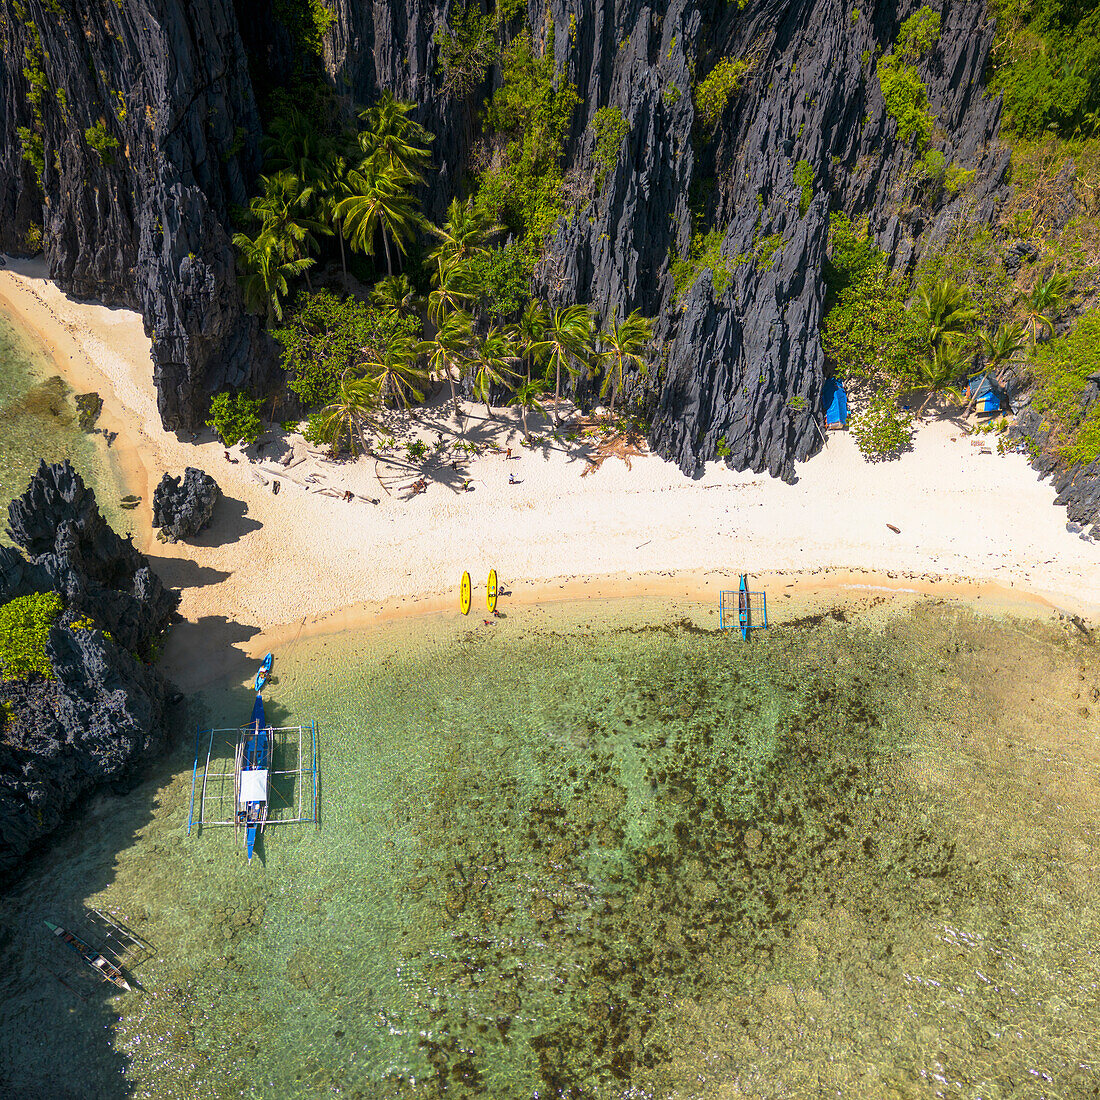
(253, 786)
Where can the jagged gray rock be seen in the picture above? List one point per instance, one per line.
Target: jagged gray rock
(73, 551)
(738, 369)
(103, 712)
(184, 509)
(143, 225)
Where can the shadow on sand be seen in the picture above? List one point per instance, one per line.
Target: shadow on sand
(229, 523)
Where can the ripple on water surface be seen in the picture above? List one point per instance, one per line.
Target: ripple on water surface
(616, 857)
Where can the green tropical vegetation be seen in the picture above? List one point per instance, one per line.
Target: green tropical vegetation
(235, 417)
(903, 91)
(712, 94)
(610, 127)
(420, 302)
(1046, 64)
(1062, 368)
(24, 628)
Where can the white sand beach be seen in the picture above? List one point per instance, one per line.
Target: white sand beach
(963, 512)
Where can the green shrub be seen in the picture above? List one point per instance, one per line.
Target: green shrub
(534, 109)
(306, 21)
(713, 93)
(323, 336)
(417, 450)
(102, 142)
(7, 714)
(503, 278)
(24, 627)
(882, 430)
(235, 417)
(705, 254)
(32, 150)
(467, 46)
(32, 239)
(906, 99)
(918, 34)
(87, 623)
(766, 248)
(903, 91)
(610, 127)
(868, 334)
(957, 179)
(1062, 368)
(804, 179)
(671, 95)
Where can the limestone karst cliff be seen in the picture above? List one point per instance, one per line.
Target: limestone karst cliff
(143, 221)
(100, 713)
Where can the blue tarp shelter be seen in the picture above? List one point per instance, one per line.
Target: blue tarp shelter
(980, 390)
(835, 401)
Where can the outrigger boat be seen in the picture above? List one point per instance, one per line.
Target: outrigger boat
(252, 777)
(264, 672)
(107, 970)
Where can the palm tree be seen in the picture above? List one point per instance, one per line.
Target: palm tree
(331, 188)
(283, 211)
(297, 145)
(394, 138)
(496, 355)
(1042, 305)
(452, 289)
(527, 397)
(1001, 347)
(349, 414)
(465, 233)
(378, 201)
(395, 372)
(942, 368)
(448, 351)
(623, 344)
(395, 294)
(265, 272)
(531, 333)
(568, 338)
(944, 309)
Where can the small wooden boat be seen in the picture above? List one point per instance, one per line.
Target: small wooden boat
(252, 778)
(107, 970)
(265, 671)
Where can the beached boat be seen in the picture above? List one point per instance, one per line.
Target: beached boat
(264, 672)
(252, 777)
(107, 970)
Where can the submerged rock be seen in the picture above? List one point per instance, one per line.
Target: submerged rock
(182, 509)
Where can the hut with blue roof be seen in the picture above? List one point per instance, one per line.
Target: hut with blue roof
(981, 391)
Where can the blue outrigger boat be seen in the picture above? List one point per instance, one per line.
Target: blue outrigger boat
(751, 608)
(252, 777)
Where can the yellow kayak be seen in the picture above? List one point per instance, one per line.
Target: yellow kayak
(465, 597)
(491, 591)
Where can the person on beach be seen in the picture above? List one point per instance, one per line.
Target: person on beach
(511, 479)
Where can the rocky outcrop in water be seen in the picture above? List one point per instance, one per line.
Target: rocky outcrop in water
(71, 550)
(183, 509)
(740, 366)
(103, 712)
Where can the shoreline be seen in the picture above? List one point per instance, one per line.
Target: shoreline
(949, 518)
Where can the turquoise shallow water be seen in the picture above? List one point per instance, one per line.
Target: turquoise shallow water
(596, 853)
(38, 420)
